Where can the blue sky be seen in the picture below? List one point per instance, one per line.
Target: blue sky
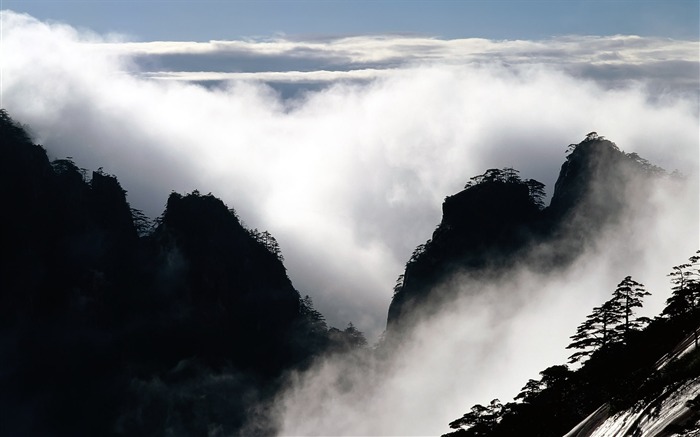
(498, 19)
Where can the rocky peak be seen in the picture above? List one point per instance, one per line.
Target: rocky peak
(594, 160)
(496, 218)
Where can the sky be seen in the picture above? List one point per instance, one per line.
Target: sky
(340, 127)
(149, 20)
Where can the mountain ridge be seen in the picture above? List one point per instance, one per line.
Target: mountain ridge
(103, 317)
(497, 221)
(117, 327)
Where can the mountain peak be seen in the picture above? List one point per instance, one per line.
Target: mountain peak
(592, 159)
(493, 222)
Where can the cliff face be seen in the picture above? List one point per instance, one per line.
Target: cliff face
(104, 331)
(482, 227)
(234, 299)
(593, 161)
(492, 224)
(596, 180)
(66, 238)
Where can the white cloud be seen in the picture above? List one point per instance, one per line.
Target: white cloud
(487, 343)
(350, 178)
(382, 49)
(609, 60)
(271, 76)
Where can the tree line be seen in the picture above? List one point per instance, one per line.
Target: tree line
(617, 352)
(122, 325)
(509, 175)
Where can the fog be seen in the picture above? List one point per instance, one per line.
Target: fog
(350, 176)
(487, 343)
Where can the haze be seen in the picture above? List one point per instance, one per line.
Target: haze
(344, 150)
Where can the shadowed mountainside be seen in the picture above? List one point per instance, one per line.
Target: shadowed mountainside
(499, 221)
(113, 325)
(109, 325)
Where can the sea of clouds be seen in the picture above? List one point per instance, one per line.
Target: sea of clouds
(349, 169)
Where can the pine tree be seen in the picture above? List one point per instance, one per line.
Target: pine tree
(536, 191)
(611, 322)
(354, 336)
(530, 391)
(685, 294)
(629, 294)
(480, 420)
(510, 175)
(314, 319)
(597, 331)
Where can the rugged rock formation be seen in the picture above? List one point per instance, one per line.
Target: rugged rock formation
(109, 326)
(495, 222)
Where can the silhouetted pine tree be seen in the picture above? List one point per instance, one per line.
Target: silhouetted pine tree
(629, 294)
(597, 331)
(611, 322)
(315, 320)
(536, 192)
(480, 420)
(684, 302)
(685, 294)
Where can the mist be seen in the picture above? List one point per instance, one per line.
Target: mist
(349, 176)
(496, 334)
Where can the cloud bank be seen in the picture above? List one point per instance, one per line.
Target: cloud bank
(349, 177)
(612, 61)
(495, 335)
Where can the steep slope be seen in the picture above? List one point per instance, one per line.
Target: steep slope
(66, 238)
(181, 330)
(482, 228)
(675, 410)
(232, 295)
(494, 221)
(66, 255)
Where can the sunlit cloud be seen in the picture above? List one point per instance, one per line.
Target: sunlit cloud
(272, 76)
(350, 177)
(617, 49)
(492, 336)
(612, 61)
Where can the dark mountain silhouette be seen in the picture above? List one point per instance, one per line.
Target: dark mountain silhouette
(498, 221)
(113, 325)
(482, 227)
(109, 327)
(232, 296)
(494, 225)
